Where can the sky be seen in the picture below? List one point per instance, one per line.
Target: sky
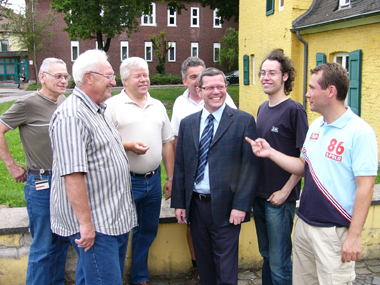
(15, 4)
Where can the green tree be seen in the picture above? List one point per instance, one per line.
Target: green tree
(98, 19)
(161, 49)
(30, 29)
(227, 9)
(229, 53)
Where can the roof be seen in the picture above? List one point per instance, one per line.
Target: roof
(327, 11)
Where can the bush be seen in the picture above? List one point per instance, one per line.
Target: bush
(160, 79)
(33, 86)
(71, 83)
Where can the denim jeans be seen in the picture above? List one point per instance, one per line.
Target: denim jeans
(103, 263)
(274, 224)
(147, 195)
(47, 254)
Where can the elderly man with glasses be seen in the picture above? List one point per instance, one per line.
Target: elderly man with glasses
(31, 114)
(91, 199)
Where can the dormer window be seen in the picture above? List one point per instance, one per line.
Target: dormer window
(344, 3)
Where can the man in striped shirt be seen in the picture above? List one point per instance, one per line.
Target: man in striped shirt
(91, 200)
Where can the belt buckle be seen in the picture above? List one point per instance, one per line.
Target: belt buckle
(149, 174)
(202, 196)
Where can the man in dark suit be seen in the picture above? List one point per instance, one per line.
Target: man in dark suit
(215, 177)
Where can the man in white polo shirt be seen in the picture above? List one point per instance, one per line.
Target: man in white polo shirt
(145, 129)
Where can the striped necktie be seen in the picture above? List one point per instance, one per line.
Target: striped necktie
(204, 147)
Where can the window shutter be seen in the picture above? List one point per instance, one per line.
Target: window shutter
(270, 7)
(355, 75)
(246, 69)
(321, 58)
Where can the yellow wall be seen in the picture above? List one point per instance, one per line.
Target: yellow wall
(258, 35)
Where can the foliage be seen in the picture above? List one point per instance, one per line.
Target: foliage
(160, 79)
(227, 9)
(161, 49)
(33, 86)
(99, 19)
(30, 28)
(229, 53)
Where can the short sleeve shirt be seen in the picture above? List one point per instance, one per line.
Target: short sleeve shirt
(32, 114)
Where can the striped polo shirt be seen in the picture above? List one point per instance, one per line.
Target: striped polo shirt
(83, 140)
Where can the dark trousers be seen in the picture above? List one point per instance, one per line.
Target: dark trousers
(216, 248)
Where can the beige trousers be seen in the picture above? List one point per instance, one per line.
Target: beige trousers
(317, 255)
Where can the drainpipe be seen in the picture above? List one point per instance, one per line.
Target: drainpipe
(305, 66)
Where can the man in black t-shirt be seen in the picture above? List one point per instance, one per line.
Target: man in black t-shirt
(283, 123)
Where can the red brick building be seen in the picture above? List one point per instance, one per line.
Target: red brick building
(196, 31)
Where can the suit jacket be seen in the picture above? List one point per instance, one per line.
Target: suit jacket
(233, 168)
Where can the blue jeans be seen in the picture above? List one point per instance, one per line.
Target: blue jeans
(47, 254)
(103, 263)
(147, 195)
(274, 224)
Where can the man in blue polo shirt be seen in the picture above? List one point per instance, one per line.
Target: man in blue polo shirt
(341, 158)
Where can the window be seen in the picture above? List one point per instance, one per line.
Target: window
(97, 45)
(281, 5)
(343, 58)
(344, 3)
(172, 18)
(4, 45)
(217, 20)
(172, 52)
(216, 53)
(253, 68)
(149, 20)
(124, 50)
(148, 51)
(74, 50)
(194, 17)
(270, 7)
(195, 49)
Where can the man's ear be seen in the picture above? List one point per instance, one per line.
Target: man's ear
(285, 76)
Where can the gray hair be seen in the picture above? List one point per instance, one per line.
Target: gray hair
(86, 62)
(189, 62)
(210, 71)
(132, 63)
(46, 64)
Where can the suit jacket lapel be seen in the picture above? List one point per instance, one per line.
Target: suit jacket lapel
(224, 124)
(196, 129)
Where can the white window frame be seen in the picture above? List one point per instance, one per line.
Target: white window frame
(281, 4)
(151, 18)
(215, 18)
(146, 46)
(124, 44)
(74, 44)
(215, 47)
(344, 56)
(192, 17)
(172, 45)
(344, 4)
(96, 44)
(196, 46)
(172, 16)
(4, 43)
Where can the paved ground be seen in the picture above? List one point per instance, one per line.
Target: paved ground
(367, 272)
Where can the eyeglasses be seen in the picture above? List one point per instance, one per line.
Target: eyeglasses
(269, 73)
(59, 76)
(109, 76)
(211, 88)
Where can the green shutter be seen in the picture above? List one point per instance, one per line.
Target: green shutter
(321, 58)
(246, 69)
(355, 75)
(270, 7)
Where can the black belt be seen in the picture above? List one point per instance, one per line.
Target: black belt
(202, 197)
(146, 175)
(40, 171)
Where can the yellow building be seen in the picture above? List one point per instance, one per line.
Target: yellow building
(313, 32)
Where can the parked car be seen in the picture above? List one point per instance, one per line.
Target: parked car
(233, 77)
